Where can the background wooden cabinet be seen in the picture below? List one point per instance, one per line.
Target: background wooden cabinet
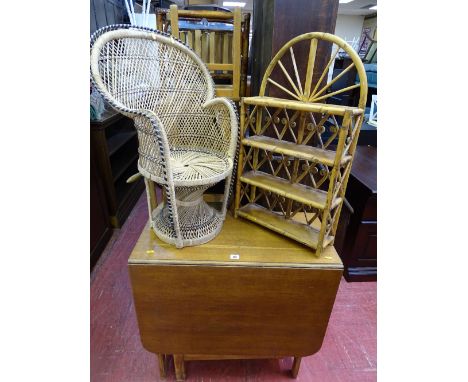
(101, 230)
(356, 240)
(115, 145)
(114, 153)
(275, 22)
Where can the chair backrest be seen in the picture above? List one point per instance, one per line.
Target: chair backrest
(216, 37)
(140, 68)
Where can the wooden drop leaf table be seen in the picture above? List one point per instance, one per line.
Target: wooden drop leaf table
(249, 293)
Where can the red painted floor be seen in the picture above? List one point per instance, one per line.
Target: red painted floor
(349, 351)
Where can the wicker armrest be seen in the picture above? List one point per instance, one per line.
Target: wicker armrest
(155, 133)
(231, 108)
(157, 126)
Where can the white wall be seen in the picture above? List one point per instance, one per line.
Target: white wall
(349, 27)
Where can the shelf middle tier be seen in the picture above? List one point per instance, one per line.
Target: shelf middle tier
(295, 191)
(310, 153)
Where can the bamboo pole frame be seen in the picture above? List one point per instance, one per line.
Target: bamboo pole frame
(240, 159)
(303, 159)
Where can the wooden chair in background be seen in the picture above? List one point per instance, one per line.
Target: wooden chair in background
(225, 52)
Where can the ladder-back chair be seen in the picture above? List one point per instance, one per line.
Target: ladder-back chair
(223, 49)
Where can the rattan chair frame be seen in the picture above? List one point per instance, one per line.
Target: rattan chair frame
(158, 162)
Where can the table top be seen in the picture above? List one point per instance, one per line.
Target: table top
(365, 167)
(240, 243)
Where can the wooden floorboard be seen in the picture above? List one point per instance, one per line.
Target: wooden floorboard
(348, 354)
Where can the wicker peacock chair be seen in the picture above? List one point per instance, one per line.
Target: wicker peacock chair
(187, 138)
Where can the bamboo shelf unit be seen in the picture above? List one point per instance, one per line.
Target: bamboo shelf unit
(296, 152)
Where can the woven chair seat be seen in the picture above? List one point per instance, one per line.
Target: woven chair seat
(193, 166)
(190, 168)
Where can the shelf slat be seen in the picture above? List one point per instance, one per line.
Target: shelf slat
(303, 106)
(300, 232)
(122, 165)
(306, 152)
(118, 140)
(298, 192)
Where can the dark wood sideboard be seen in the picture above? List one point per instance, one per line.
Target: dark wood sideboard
(115, 143)
(114, 153)
(101, 229)
(356, 240)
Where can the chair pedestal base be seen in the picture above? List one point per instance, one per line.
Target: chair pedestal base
(198, 222)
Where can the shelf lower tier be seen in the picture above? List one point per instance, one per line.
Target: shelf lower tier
(295, 230)
(310, 153)
(299, 192)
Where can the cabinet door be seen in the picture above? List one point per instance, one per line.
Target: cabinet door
(364, 251)
(100, 226)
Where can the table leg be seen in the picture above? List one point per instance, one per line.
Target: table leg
(295, 366)
(179, 367)
(162, 365)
